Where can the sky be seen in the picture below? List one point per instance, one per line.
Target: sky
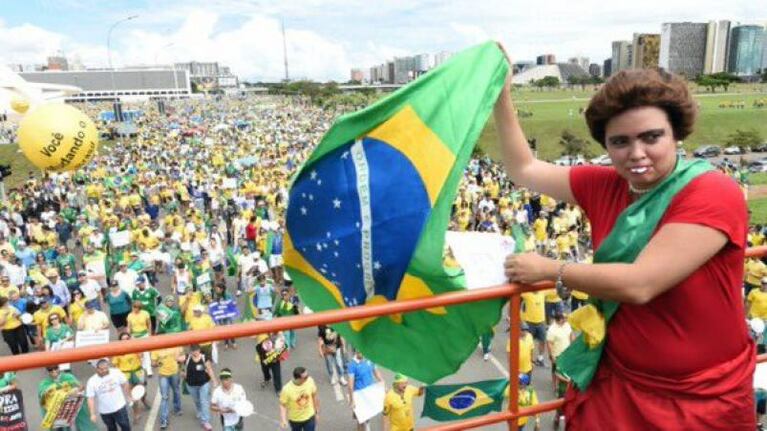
(326, 38)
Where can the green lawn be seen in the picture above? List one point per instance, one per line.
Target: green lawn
(554, 111)
(21, 167)
(758, 208)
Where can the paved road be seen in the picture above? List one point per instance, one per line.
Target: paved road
(335, 413)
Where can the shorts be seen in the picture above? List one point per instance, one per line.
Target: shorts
(538, 331)
(275, 260)
(135, 377)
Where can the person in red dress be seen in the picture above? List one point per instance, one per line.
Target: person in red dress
(677, 355)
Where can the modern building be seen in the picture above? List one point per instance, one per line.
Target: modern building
(683, 48)
(441, 57)
(607, 68)
(521, 66)
(717, 43)
(124, 84)
(745, 51)
(595, 70)
(209, 75)
(546, 59)
(562, 71)
(580, 61)
(621, 56)
(421, 64)
(645, 49)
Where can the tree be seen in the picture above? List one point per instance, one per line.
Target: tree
(744, 138)
(550, 81)
(574, 145)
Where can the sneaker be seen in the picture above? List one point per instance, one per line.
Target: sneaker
(486, 356)
(164, 426)
(344, 382)
(206, 426)
(238, 293)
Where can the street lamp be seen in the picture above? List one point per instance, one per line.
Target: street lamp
(109, 47)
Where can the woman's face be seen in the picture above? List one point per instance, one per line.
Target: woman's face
(641, 145)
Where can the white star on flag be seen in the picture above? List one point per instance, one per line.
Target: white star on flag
(336, 203)
(377, 265)
(313, 174)
(303, 210)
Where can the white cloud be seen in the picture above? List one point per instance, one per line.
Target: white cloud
(328, 37)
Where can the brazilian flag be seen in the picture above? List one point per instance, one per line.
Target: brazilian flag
(452, 402)
(368, 211)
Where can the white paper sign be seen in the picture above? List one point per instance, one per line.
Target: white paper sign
(481, 255)
(760, 377)
(91, 338)
(97, 268)
(369, 402)
(120, 239)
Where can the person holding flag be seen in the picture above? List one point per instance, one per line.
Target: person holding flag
(55, 381)
(667, 272)
(398, 405)
(169, 318)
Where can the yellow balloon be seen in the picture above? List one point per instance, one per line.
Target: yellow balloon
(58, 137)
(20, 105)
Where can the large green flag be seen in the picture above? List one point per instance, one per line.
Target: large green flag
(368, 211)
(452, 402)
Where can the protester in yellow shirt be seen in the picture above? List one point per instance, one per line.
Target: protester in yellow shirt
(199, 321)
(534, 314)
(398, 405)
(299, 404)
(40, 318)
(527, 398)
(167, 362)
(756, 301)
(130, 365)
(526, 349)
(755, 270)
(13, 331)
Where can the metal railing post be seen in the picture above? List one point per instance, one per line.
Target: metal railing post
(514, 321)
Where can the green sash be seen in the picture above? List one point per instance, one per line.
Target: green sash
(631, 233)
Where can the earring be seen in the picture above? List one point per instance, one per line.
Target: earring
(679, 144)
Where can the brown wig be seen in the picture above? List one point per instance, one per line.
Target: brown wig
(636, 88)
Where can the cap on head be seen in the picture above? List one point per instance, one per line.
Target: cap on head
(400, 378)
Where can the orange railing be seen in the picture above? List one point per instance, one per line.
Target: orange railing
(512, 291)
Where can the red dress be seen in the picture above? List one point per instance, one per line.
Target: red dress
(683, 361)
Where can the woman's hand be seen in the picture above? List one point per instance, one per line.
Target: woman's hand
(530, 268)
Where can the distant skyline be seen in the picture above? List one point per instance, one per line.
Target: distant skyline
(327, 38)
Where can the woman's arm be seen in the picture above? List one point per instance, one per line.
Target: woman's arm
(675, 252)
(523, 168)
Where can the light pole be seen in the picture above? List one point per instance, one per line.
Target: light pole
(109, 47)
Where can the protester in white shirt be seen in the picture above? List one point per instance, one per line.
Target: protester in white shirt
(107, 392)
(224, 399)
(126, 278)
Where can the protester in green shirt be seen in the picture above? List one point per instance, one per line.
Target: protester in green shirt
(56, 380)
(169, 318)
(147, 296)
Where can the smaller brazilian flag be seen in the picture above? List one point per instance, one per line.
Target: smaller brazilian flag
(452, 402)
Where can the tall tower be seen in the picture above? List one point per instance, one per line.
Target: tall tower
(285, 50)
